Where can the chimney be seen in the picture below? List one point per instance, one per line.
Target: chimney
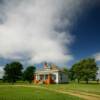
(45, 65)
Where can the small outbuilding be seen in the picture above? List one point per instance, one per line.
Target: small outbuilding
(98, 74)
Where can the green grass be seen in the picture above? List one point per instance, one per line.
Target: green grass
(10, 92)
(89, 88)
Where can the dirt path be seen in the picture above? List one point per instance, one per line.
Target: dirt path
(84, 95)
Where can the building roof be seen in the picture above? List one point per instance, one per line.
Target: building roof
(49, 69)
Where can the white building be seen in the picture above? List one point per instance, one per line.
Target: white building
(50, 74)
(98, 74)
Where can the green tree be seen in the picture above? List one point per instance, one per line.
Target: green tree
(89, 69)
(85, 70)
(13, 72)
(66, 71)
(28, 74)
(76, 72)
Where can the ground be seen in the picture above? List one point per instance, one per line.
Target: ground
(17, 92)
(70, 91)
(86, 91)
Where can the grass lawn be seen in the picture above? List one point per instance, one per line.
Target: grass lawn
(10, 92)
(25, 91)
(89, 88)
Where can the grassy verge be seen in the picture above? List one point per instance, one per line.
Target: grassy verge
(89, 88)
(9, 92)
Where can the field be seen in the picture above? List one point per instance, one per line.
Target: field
(87, 88)
(86, 91)
(70, 91)
(31, 93)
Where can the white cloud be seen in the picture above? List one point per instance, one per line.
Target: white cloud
(33, 29)
(97, 57)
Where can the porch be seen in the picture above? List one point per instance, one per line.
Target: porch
(44, 78)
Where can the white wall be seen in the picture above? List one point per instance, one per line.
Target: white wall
(98, 74)
(57, 77)
(63, 78)
(60, 77)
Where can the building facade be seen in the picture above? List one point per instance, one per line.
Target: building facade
(98, 74)
(50, 75)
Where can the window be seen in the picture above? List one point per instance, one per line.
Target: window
(60, 76)
(54, 77)
(46, 76)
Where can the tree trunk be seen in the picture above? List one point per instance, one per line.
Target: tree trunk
(97, 81)
(87, 81)
(78, 81)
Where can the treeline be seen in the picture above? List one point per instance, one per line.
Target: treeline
(84, 70)
(14, 72)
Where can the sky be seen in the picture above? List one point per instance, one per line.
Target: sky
(56, 31)
(87, 34)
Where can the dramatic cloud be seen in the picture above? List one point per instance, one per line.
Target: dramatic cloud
(97, 57)
(38, 30)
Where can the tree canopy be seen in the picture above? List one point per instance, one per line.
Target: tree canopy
(28, 74)
(13, 72)
(85, 70)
